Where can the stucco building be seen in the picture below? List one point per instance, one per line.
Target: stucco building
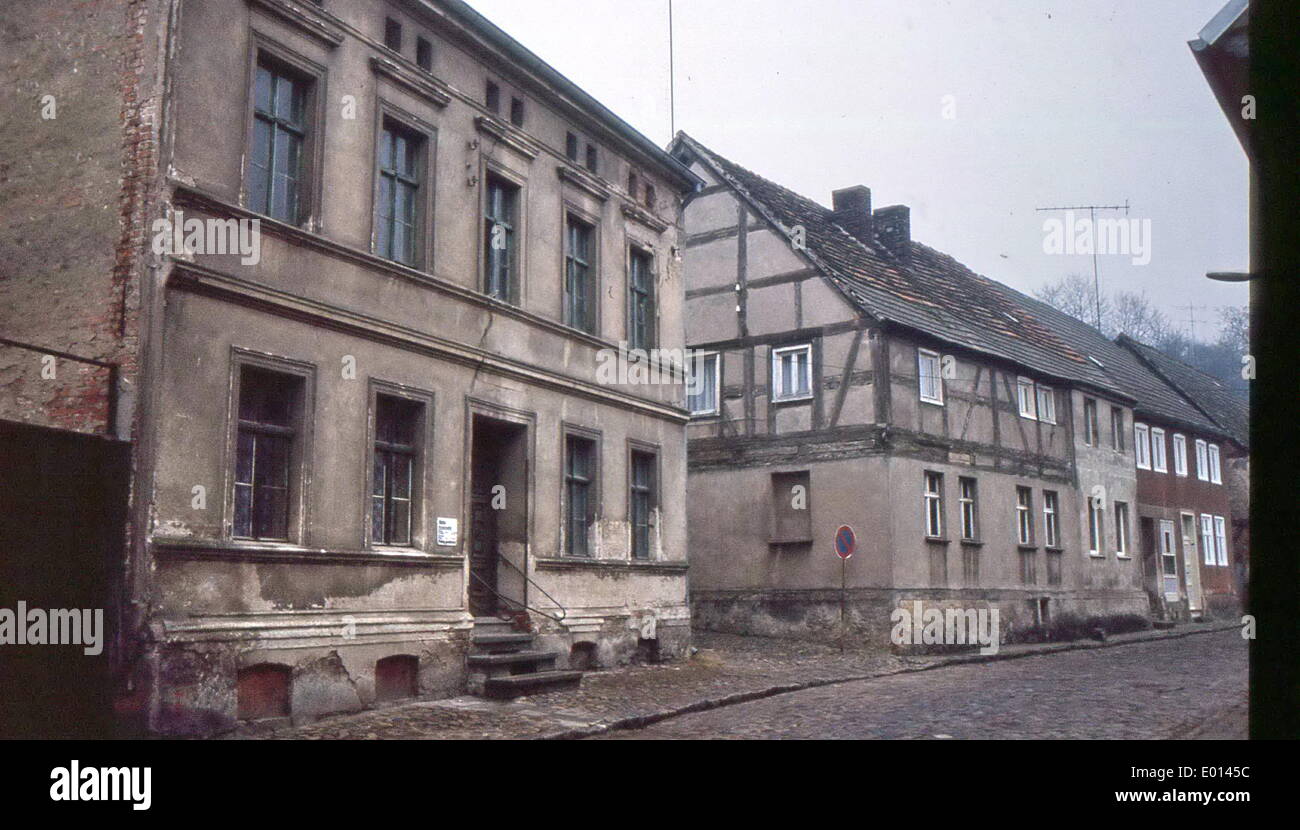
(851, 375)
(379, 422)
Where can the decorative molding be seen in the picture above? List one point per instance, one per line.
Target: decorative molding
(639, 214)
(214, 549)
(311, 21)
(573, 563)
(508, 135)
(585, 182)
(420, 83)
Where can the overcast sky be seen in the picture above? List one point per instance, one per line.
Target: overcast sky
(1055, 103)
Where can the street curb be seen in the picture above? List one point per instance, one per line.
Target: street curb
(642, 721)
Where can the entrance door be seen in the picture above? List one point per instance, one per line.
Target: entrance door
(1191, 563)
(1168, 562)
(482, 556)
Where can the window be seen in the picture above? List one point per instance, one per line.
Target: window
(269, 407)
(702, 384)
(929, 372)
(1024, 516)
(650, 196)
(1202, 460)
(571, 146)
(275, 168)
(1207, 538)
(1221, 540)
(1142, 446)
(1180, 454)
(641, 300)
(499, 239)
(592, 161)
(791, 507)
(1090, 422)
(492, 98)
(1216, 473)
(579, 285)
(969, 508)
(1047, 405)
(1158, 462)
(424, 54)
(397, 425)
(1051, 520)
(579, 494)
(642, 501)
(396, 236)
(392, 34)
(1025, 396)
(633, 184)
(1117, 428)
(933, 505)
(517, 112)
(1096, 527)
(791, 373)
(1121, 528)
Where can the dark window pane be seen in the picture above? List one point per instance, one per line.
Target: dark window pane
(243, 510)
(424, 54)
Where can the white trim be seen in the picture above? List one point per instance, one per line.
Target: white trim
(1180, 454)
(778, 376)
(1216, 468)
(923, 356)
(1207, 538)
(1142, 446)
(1044, 394)
(1221, 540)
(1121, 530)
(1202, 460)
(1159, 451)
(1027, 404)
(935, 496)
(717, 378)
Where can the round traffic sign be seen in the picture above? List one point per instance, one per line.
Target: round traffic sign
(845, 542)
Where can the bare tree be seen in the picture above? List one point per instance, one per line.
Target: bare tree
(1073, 295)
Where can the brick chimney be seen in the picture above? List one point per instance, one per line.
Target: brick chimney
(894, 228)
(852, 211)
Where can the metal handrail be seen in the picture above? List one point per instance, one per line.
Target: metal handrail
(516, 602)
(564, 612)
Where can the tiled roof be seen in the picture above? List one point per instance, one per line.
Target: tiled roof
(1229, 410)
(927, 291)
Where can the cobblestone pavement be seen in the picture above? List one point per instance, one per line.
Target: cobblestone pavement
(724, 666)
(1173, 688)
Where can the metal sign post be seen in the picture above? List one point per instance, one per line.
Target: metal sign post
(845, 543)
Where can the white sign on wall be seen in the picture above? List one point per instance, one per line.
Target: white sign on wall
(447, 531)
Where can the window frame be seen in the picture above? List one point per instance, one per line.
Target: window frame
(299, 480)
(1221, 541)
(933, 519)
(1045, 394)
(263, 49)
(593, 485)
(1159, 451)
(1024, 517)
(1121, 530)
(717, 384)
(418, 537)
(1216, 463)
(1209, 545)
(396, 120)
(777, 376)
(1026, 404)
(924, 356)
(1096, 528)
(577, 218)
(1117, 429)
(968, 508)
(1091, 431)
(635, 252)
(1202, 460)
(1142, 445)
(515, 289)
(1051, 520)
(654, 515)
(1179, 442)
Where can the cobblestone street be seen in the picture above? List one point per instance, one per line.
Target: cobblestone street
(1175, 688)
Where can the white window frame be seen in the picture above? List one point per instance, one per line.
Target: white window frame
(1051, 512)
(1221, 540)
(1026, 402)
(926, 357)
(1216, 468)
(1090, 436)
(933, 530)
(703, 357)
(1121, 529)
(1159, 457)
(778, 376)
(1045, 395)
(1207, 538)
(1202, 460)
(1096, 529)
(969, 508)
(1024, 516)
(1180, 454)
(1142, 446)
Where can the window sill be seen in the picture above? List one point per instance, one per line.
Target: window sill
(249, 551)
(933, 403)
(1053, 549)
(1094, 555)
(1123, 556)
(1024, 547)
(793, 540)
(975, 543)
(570, 563)
(800, 399)
(938, 540)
